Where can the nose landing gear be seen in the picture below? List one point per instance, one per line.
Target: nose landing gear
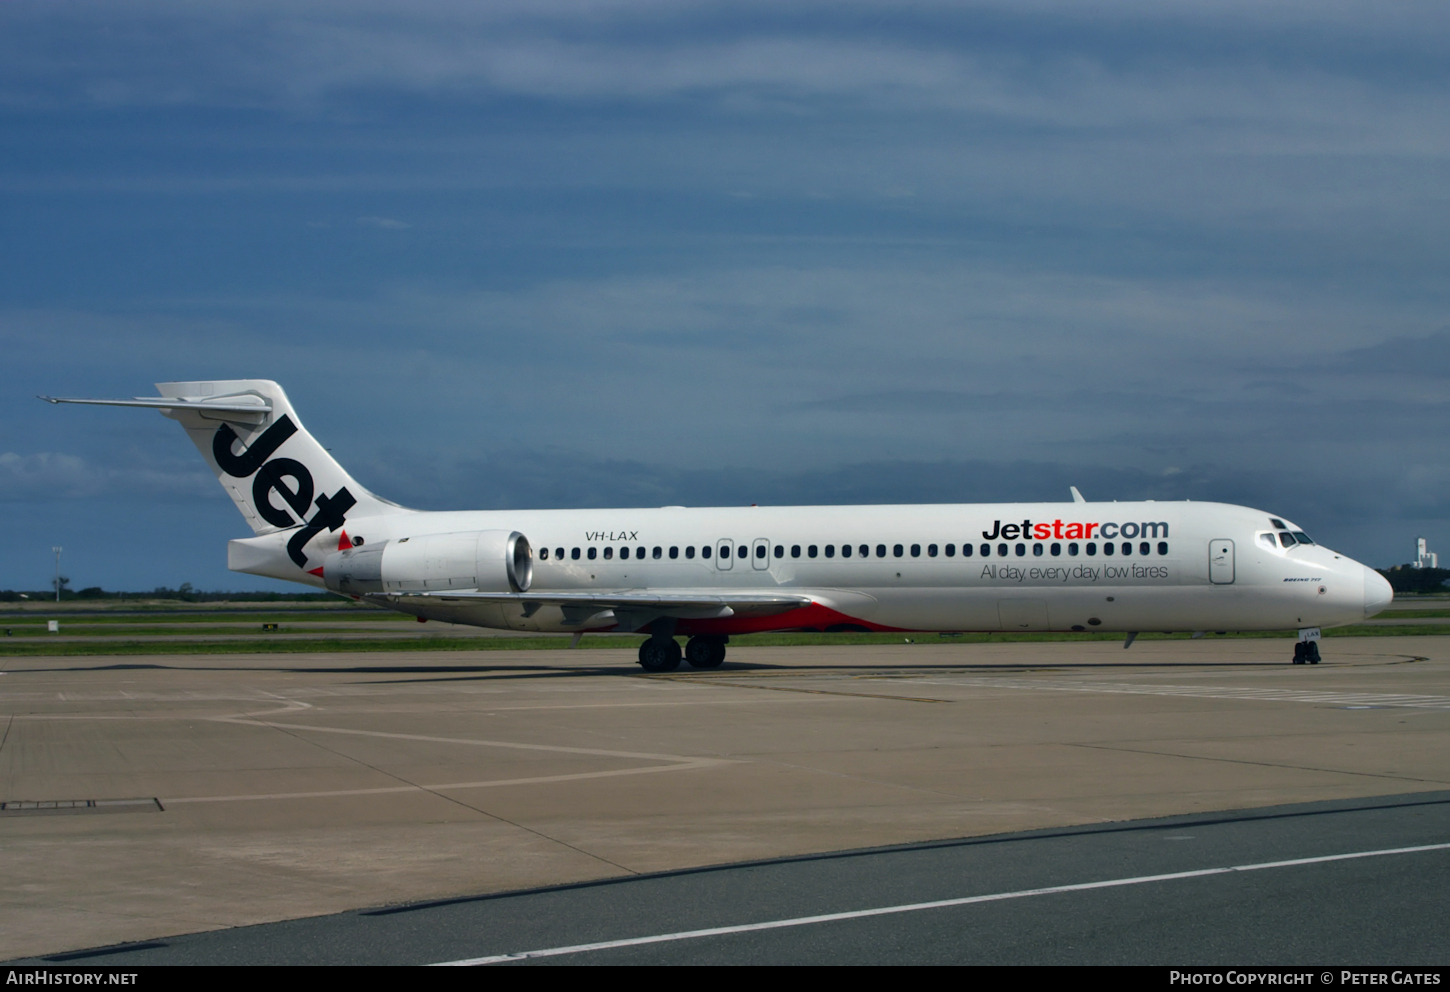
(1306, 652)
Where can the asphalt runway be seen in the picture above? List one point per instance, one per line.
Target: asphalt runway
(1358, 882)
(150, 797)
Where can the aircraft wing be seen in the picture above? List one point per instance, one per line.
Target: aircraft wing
(595, 608)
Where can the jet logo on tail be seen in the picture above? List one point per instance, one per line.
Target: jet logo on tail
(287, 477)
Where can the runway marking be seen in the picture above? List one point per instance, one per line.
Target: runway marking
(447, 786)
(596, 752)
(674, 763)
(1198, 692)
(799, 921)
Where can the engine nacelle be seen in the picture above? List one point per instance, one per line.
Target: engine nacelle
(489, 561)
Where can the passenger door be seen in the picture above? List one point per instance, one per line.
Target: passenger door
(1221, 561)
(760, 554)
(724, 553)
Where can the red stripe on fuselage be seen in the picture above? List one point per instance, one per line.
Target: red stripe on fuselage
(813, 617)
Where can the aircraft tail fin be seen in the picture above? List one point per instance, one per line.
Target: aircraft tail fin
(280, 478)
(277, 473)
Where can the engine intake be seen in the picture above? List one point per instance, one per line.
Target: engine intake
(488, 561)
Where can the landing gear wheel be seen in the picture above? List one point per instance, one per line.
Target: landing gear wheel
(1300, 655)
(1311, 652)
(705, 652)
(659, 655)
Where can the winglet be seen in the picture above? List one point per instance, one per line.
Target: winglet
(1076, 496)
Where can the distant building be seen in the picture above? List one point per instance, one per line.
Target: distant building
(1423, 558)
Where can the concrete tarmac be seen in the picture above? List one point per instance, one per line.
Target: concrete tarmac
(303, 785)
(1350, 882)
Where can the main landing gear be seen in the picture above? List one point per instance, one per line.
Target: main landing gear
(706, 652)
(663, 654)
(1306, 652)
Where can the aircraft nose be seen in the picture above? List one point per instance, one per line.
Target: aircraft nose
(1377, 592)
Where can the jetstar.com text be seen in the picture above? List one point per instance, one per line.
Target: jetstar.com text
(1057, 530)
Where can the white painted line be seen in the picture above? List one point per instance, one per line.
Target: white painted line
(800, 921)
(452, 786)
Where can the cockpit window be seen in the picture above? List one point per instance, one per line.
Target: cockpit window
(1278, 524)
(1286, 539)
(1268, 540)
(1302, 537)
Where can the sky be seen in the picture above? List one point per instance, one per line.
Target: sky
(557, 254)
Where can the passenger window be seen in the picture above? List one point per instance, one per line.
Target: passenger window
(845, 551)
(1001, 550)
(1037, 550)
(864, 551)
(609, 553)
(1143, 547)
(931, 550)
(657, 553)
(1021, 550)
(830, 551)
(559, 554)
(543, 554)
(1162, 547)
(795, 550)
(1056, 550)
(689, 551)
(916, 551)
(742, 551)
(951, 550)
(780, 550)
(898, 550)
(1107, 548)
(986, 550)
(880, 551)
(704, 551)
(592, 553)
(574, 554)
(1092, 549)
(1127, 547)
(966, 550)
(639, 553)
(674, 551)
(811, 551)
(1072, 550)
(623, 553)
(760, 551)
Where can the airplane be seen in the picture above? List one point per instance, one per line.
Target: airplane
(709, 573)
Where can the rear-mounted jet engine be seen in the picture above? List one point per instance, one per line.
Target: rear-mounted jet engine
(489, 561)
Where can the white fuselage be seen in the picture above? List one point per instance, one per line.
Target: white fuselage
(950, 567)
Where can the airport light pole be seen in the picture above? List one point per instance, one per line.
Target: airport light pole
(57, 551)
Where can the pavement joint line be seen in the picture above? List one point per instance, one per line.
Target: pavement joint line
(1202, 692)
(920, 906)
(815, 692)
(1261, 764)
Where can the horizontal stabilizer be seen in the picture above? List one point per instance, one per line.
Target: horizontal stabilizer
(230, 404)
